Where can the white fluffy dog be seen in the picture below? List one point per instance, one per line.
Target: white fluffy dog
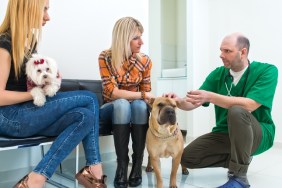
(42, 78)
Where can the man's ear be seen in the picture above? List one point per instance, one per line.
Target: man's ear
(244, 52)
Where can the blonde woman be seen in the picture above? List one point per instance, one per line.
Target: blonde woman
(77, 112)
(125, 73)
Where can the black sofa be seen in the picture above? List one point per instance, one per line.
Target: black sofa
(67, 85)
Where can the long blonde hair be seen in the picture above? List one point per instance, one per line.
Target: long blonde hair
(123, 32)
(23, 22)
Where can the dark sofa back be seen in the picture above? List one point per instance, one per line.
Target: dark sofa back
(92, 85)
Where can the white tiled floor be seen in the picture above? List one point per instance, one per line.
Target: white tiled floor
(264, 172)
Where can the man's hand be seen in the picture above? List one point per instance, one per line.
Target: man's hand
(197, 97)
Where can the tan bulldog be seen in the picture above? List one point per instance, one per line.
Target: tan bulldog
(164, 138)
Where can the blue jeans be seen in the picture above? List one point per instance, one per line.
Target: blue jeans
(121, 111)
(71, 116)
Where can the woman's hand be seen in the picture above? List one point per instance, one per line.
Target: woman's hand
(173, 96)
(148, 96)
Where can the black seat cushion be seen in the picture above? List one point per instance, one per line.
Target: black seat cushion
(24, 142)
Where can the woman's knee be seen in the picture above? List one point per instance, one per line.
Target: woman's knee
(139, 111)
(79, 98)
(80, 117)
(121, 111)
(90, 94)
(139, 106)
(86, 115)
(121, 105)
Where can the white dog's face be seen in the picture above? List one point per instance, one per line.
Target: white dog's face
(41, 70)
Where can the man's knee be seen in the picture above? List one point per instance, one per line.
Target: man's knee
(236, 111)
(237, 119)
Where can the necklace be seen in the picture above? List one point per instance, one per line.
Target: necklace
(232, 79)
(228, 89)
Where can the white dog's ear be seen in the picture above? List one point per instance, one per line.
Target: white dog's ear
(29, 67)
(52, 65)
(35, 55)
(30, 63)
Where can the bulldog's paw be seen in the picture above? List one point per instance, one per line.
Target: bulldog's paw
(149, 169)
(185, 171)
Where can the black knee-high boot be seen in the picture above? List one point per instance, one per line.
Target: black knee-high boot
(121, 138)
(138, 135)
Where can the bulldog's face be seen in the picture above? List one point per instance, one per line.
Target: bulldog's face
(163, 110)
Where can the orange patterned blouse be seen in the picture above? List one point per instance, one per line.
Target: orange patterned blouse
(133, 76)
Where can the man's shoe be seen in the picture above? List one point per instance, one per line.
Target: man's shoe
(234, 182)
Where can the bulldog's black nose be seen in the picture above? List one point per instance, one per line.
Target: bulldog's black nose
(170, 112)
(168, 116)
(171, 116)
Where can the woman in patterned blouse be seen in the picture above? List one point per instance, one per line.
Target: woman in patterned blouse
(125, 73)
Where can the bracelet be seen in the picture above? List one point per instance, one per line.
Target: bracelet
(143, 95)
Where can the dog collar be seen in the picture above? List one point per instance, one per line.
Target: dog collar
(156, 134)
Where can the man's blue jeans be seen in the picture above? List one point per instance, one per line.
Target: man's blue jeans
(71, 116)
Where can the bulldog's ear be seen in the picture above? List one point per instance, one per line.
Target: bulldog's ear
(150, 104)
(151, 101)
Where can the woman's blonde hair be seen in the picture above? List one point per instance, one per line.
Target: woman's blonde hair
(123, 32)
(23, 22)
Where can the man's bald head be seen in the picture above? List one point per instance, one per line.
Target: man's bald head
(239, 40)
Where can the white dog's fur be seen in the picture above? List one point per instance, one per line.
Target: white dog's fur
(42, 78)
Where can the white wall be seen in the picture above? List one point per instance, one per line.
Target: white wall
(80, 30)
(200, 120)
